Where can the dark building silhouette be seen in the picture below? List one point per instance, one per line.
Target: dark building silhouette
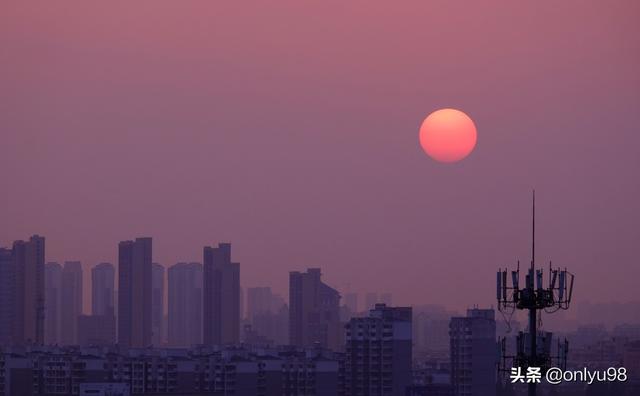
(52, 303)
(378, 358)
(99, 328)
(431, 330)
(96, 330)
(185, 304)
(102, 289)
(233, 371)
(474, 353)
(134, 293)
(7, 296)
(268, 315)
(314, 311)
(71, 302)
(221, 296)
(242, 304)
(22, 292)
(259, 300)
(273, 325)
(157, 304)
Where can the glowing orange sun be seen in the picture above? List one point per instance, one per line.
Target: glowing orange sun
(448, 135)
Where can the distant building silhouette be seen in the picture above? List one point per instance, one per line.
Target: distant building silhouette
(52, 303)
(157, 304)
(96, 330)
(273, 325)
(431, 330)
(221, 296)
(134, 293)
(7, 296)
(102, 289)
(314, 311)
(71, 299)
(185, 304)
(351, 302)
(99, 328)
(268, 315)
(242, 304)
(259, 300)
(474, 353)
(26, 298)
(378, 358)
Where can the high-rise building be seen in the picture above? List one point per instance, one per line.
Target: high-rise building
(273, 326)
(102, 289)
(71, 298)
(221, 296)
(268, 315)
(474, 353)
(242, 304)
(134, 293)
(99, 328)
(378, 355)
(157, 304)
(314, 311)
(28, 299)
(185, 304)
(258, 301)
(52, 303)
(7, 296)
(431, 332)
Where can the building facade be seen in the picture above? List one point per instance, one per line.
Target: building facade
(378, 357)
(235, 371)
(102, 289)
(474, 353)
(52, 303)
(71, 300)
(157, 304)
(24, 298)
(221, 296)
(185, 304)
(134, 293)
(7, 296)
(314, 311)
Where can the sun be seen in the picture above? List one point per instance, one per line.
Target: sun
(448, 135)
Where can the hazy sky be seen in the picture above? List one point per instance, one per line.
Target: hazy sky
(291, 130)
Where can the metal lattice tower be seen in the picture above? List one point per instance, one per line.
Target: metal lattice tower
(534, 297)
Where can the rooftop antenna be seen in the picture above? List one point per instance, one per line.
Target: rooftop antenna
(534, 297)
(533, 230)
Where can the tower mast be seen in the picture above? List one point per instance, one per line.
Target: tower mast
(533, 331)
(532, 297)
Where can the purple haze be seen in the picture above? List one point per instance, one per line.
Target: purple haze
(291, 130)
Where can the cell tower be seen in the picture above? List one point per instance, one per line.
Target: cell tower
(534, 297)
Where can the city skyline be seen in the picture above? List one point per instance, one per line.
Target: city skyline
(363, 294)
(613, 312)
(384, 349)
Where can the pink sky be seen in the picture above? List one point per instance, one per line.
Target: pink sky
(291, 130)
